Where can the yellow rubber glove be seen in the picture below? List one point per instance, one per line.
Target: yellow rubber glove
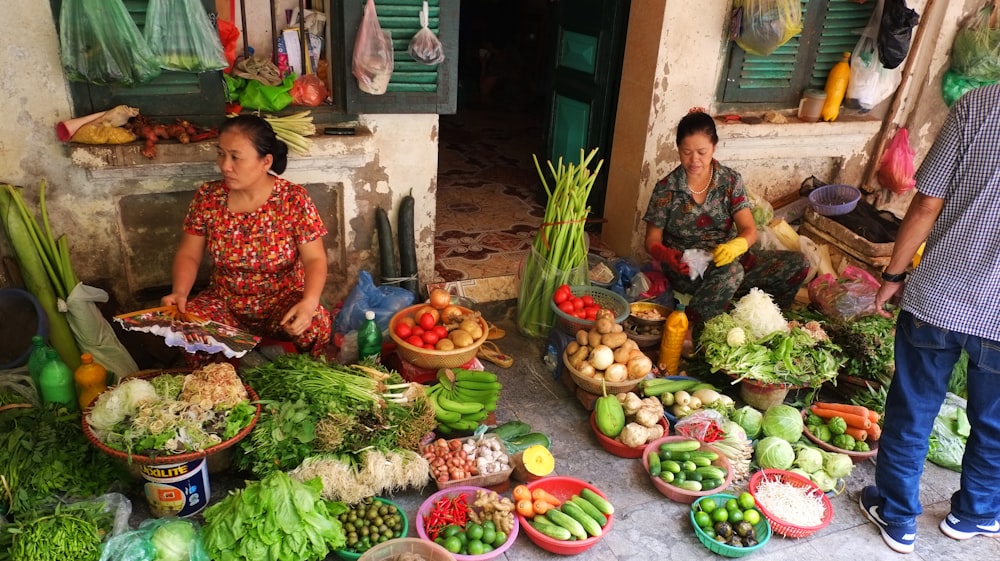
(725, 253)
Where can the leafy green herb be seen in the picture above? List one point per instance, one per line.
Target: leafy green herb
(281, 439)
(70, 531)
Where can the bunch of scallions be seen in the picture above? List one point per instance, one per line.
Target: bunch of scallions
(559, 252)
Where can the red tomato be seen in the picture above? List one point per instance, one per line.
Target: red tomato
(580, 314)
(559, 297)
(403, 330)
(416, 330)
(577, 303)
(566, 307)
(441, 331)
(427, 321)
(430, 338)
(588, 300)
(415, 340)
(591, 313)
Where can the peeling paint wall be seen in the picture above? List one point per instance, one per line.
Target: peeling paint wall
(398, 155)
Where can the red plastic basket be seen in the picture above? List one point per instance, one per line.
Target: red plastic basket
(783, 527)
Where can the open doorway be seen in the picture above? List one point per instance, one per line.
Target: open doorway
(488, 203)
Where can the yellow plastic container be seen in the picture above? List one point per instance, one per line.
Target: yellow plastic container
(91, 379)
(672, 340)
(836, 88)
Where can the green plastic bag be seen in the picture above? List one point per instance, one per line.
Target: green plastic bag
(256, 95)
(976, 50)
(101, 44)
(953, 85)
(182, 37)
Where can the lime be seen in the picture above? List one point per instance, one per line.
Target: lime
(720, 515)
(746, 501)
(453, 544)
(451, 530)
(500, 539)
(707, 505)
(703, 519)
(489, 524)
(735, 516)
(489, 535)
(732, 505)
(752, 516)
(474, 532)
(475, 547)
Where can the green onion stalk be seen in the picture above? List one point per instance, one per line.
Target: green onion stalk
(559, 251)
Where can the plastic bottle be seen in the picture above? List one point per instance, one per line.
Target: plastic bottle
(37, 359)
(672, 340)
(836, 88)
(56, 381)
(369, 338)
(91, 379)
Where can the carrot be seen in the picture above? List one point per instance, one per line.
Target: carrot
(874, 432)
(542, 506)
(858, 434)
(855, 421)
(521, 493)
(874, 417)
(542, 494)
(525, 508)
(858, 410)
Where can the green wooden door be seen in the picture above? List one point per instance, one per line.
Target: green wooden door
(590, 43)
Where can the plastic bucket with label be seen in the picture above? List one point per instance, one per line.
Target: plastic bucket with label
(176, 489)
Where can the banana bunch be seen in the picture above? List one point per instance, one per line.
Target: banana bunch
(462, 399)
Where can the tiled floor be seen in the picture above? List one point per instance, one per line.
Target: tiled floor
(488, 203)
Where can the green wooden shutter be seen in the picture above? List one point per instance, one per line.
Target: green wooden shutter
(414, 87)
(829, 28)
(199, 97)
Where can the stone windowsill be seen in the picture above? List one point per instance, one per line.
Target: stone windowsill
(798, 139)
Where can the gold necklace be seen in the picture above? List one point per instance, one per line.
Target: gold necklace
(703, 189)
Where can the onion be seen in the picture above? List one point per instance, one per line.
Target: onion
(439, 298)
(601, 357)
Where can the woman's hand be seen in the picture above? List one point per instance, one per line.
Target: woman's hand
(297, 319)
(175, 299)
(672, 257)
(726, 253)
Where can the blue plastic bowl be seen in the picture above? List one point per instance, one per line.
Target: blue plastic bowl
(835, 199)
(23, 319)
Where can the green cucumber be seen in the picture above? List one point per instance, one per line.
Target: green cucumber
(688, 466)
(711, 472)
(386, 249)
(590, 509)
(707, 484)
(568, 522)
(688, 485)
(669, 465)
(524, 441)
(688, 445)
(598, 501)
(667, 476)
(553, 531)
(654, 465)
(658, 386)
(589, 524)
(700, 461)
(407, 246)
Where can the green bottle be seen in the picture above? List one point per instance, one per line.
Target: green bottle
(37, 359)
(56, 381)
(369, 338)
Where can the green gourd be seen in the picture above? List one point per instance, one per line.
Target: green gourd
(609, 415)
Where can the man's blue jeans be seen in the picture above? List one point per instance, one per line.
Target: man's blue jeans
(925, 356)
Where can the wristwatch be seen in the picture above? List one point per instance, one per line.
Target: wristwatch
(890, 277)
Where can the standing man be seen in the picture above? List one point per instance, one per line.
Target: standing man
(950, 303)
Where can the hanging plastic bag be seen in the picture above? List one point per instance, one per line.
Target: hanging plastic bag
(865, 66)
(765, 25)
(896, 169)
(229, 35)
(848, 297)
(256, 95)
(94, 333)
(372, 61)
(425, 47)
(953, 85)
(895, 32)
(976, 51)
(100, 43)
(308, 90)
(182, 37)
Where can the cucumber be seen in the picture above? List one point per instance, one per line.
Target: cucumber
(689, 445)
(654, 465)
(711, 472)
(657, 386)
(568, 522)
(707, 484)
(670, 465)
(522, 442)
(590, 509)
(551, 530)
(386, 249)
(693, 476)
(688, 466)
(712, 456)
(667, 476)
(675, 456)
(688, 485)
(407, 246)
(700, 461)
(598, 501)
(589, 524)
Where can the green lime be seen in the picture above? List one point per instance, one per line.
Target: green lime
(703, 519)
(720, 515)
(746, 501)
(474, 532)
(735, 516)
(475, 547)
(732, 505)
(451, 530)
(453, 544)
(752, 516)
(489, 524)
(500, 539)
(489, 535)
(707, 505)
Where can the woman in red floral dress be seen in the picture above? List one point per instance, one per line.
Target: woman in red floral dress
(264, 239)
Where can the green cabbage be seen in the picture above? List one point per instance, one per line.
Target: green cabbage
(174, 541)
(783, 421)
(774, 453)
(750, 419)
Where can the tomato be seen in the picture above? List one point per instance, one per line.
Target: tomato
(577, 303)
(590, 313)
(580, 314)
(417, 330)
(403, 330)
(415, 340)
(430, 338)
(566, 307)
(441, 331)
(588, 300)
(427, 321)
(560, 296)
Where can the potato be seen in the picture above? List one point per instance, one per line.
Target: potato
(614, 340)
(593, 338)
(472, 327)
(461, 338)
(604, 325)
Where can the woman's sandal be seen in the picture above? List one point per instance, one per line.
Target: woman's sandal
(494, 331)
(490, 352)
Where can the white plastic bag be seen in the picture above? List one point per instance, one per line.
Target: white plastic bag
(697, 261)
(372, 61)
(425, 47)
(94, 334)
(862, 87)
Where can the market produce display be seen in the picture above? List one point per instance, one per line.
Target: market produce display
(158, 539)
(686, 464)
(459, 460)
(463, 399)
(371, 521)
(733, 521)
(683, 396)
(848, 427)
(468, 521)
(641, 421)
(576, 515)
(443, 328)
(66, 531)
(605, 353)
(795, 507)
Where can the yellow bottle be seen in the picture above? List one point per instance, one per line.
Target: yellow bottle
(672, 340)
(91, 379)
(836, 88)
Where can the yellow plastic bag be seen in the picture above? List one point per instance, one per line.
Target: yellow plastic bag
(765, 25)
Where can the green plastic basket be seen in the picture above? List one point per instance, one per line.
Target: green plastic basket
(602, 296)
(762, 528)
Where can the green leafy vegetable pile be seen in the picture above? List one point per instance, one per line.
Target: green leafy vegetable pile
(66, 531)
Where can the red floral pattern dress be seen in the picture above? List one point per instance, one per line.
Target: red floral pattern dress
(257, 275)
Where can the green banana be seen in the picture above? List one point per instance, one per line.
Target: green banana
(462, 407)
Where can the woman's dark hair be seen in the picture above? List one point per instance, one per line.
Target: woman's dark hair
(694, 123)
(262, 136)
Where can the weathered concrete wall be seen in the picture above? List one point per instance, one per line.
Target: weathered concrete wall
(89, 188)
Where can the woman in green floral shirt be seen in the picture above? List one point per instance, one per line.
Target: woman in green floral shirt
(702, 204)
